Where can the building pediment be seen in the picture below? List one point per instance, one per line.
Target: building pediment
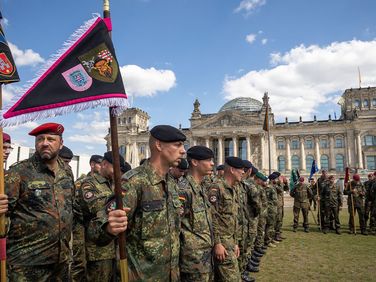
(229, 119)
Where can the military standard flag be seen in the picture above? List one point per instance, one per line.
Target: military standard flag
(84, 74)
(314, 169)
(294, 177)
(8, 70)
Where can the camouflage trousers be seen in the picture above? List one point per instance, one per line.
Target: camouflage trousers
(269, 227)
(243, 237)
(259, 241)
(100, 271)
(279, 221)
(296, 212)
(227, 270)
(56, 272)
(372, 223)
(328, 216)
(195, 277)
(252, 233)
(360, 211)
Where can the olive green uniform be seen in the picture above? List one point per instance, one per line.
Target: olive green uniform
(301, 194)
(271, 194)
(356, 191)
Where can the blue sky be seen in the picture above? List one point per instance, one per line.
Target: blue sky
(304, 53)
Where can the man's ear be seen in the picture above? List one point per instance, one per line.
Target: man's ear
(61, 142)
(158, 145)
(194, 162)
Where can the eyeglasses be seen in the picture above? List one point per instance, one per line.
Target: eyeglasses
(7, 148)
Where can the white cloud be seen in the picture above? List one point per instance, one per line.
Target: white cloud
(147, 82)
(264, 41)
(302, 78)
(25, 57)
(250, 38)
(249, 5)
(87, 138)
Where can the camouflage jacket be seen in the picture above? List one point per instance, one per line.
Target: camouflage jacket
(301, 194)
(263, 200)
(280, 194)
(196, 238)
(153, 225)
(271, 195)
(95, 191)
(331, 195)
(357, 190)
(253, 198)
(40, 211)
(225, 213)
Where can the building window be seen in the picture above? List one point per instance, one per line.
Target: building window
(365, 102)
(295, 162)
(324, 143)
(308, 144)
(324, 160)
(281, 164)
(357, 103)
(242, 150)
(119, 120)
(339, 142)
(369, 140)
(309, 160)
(294, 144)
(374, 102)
(129, 120)
(340, 164)
(371, 162)
(229, 148)
(281, 145)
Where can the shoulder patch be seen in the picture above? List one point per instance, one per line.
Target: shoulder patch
(111, 205)
(88, 195)
(130, 174)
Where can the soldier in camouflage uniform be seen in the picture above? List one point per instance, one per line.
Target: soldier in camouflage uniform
(372, 203)
(331, 199)
(7, 148)
(301, 194)
(196, 238)
(223, 197)
(356, 192)
(259, 247)
(40, 192)
(368, 186)
(278, 185)
(78, 266)
(320, 185)
(154, 217)
(94, 193)
(177, 173)
(272, 196)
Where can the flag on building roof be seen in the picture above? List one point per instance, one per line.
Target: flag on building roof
(84, 74)
(8, 70)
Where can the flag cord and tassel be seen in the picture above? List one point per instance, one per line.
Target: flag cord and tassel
(117, 174)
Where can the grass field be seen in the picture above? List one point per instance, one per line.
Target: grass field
(316, 256)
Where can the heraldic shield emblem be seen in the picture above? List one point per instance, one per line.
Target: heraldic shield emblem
(6, 67)
(77, 78)
(100, 64)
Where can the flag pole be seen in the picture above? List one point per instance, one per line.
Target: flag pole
(117, 175)
(267, 128)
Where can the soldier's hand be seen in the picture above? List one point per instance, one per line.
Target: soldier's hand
(3, 204)
(117, 221)
(220, 252)
(237, 251)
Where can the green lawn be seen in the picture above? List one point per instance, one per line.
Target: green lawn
(316, 256)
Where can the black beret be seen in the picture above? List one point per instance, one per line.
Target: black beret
(220, 167)
(96, 158)
(274, 175)
(183, 164)
(254, 171)
(124, 166)
(235, 162)
(247, 164)
(167, 133)
(200, 153)
(66, 153)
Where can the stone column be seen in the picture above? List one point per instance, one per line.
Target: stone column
(263, 154)
(235, 145)
(135, 160)
(350, 148)
(359, 150)
(194, 141)
(288, 154)
(302, 155)
(332, 157)
(207, 142)
(220, 150)
(317, 152)
(248, 138)
(127, 152)
(147, 151)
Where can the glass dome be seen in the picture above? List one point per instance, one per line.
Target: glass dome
(245, 104)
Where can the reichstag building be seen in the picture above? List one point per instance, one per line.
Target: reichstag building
(237, 130)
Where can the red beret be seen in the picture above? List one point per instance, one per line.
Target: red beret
(356, 177)
(374, 173)
(301, 179)
(50, 128)
(6, 138)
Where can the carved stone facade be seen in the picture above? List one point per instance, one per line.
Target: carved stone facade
(237, 130)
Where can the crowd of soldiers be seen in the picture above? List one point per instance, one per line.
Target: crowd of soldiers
(182, 221)
(326, 196)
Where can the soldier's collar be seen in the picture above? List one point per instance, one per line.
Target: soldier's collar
(152, 174)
